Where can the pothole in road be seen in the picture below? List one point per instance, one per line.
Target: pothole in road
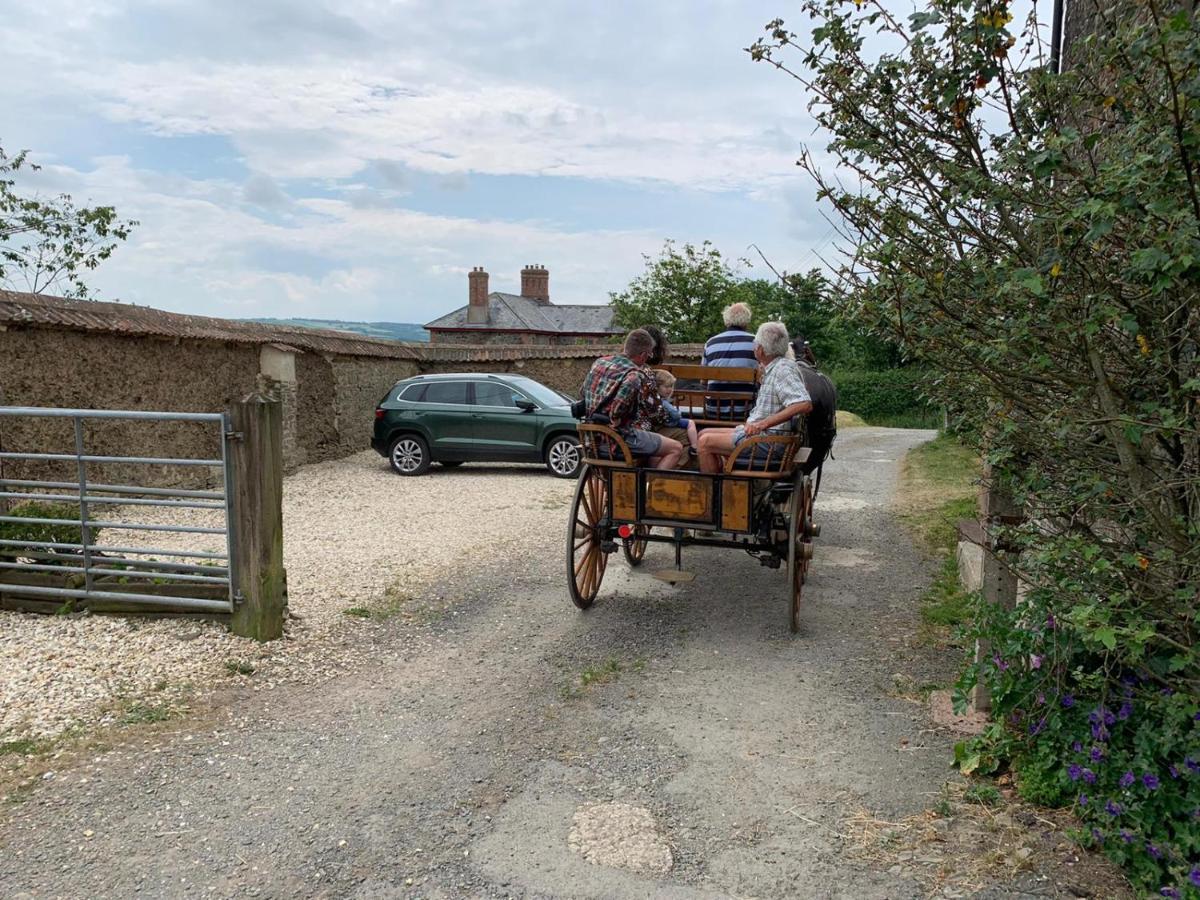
(621, 836)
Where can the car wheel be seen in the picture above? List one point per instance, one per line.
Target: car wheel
(563, 456)
(450, 463)
(409, 455)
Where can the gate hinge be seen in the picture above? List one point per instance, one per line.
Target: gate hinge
(234, 435)
(239, 598)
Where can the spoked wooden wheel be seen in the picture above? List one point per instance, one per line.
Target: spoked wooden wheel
(586, 560)
(635, 545)
(810, 530)
(799, 548)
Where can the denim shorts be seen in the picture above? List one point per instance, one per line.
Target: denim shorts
(643, 443)
(759, 452)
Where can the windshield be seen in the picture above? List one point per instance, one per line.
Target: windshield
(539, 392)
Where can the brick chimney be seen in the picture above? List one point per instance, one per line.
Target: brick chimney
(535, 283)
(477, 295)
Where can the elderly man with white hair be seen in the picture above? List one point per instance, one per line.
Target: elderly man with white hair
(732, 347)
(781, 397)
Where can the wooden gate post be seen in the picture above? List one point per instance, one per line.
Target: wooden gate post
(998, 580)
(257, 517)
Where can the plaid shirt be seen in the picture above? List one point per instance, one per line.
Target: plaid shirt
(782, 385)
(634, 399)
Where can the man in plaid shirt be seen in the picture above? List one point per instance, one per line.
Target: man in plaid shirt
(622, 388)
(781, 397)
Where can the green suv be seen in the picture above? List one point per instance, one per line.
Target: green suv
(475, 417)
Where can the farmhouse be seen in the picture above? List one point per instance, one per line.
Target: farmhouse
(525, 318)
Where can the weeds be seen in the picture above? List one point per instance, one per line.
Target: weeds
(238, 667)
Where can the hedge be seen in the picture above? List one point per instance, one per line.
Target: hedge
(886, 396)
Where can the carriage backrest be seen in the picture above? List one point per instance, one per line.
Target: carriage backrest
(711, 407)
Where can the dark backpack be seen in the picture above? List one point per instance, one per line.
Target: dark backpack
(821, 423)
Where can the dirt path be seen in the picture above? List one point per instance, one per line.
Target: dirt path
(679, 738)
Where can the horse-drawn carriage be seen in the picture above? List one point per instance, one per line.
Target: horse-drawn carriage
(762, 501)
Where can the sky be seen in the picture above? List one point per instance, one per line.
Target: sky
(355, 159)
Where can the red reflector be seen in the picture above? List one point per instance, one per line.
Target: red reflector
(379, 413)
(625, 531)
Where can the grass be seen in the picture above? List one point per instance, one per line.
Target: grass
(937, 489)
(600, 673)
(849, 420)
(145, 713)
(238, 667)
(360, 612)
(23, 747)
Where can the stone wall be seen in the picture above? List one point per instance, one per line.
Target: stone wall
(329, 397)
(60, 368)
(360, 382)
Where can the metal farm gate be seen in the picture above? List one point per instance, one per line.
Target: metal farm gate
(189, 577)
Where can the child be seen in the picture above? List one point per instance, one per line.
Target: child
(666, 388)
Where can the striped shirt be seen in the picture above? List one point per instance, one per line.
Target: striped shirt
(732, 347)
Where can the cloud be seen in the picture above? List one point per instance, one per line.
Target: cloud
(261, 190)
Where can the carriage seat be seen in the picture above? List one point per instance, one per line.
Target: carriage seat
(603, 446)
(767, 456)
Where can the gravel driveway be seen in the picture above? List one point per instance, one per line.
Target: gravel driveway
(353, 532)
(670, 742)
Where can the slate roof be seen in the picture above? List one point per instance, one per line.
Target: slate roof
(512, 312)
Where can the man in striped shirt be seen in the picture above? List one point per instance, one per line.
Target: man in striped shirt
(732, 347)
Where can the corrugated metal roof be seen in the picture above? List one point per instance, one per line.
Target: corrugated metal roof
(39, 311)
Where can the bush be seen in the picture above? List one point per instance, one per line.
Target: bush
(40, 533)
(886, 397)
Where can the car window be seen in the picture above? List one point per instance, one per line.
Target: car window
(446, 392)
(542, 394)
(412, 393)
(493, 393)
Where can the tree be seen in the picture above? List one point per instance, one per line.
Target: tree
(804, 303)
(1034, 237)
(683, 292)
(50, 244)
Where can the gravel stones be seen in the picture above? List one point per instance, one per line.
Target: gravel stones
(355, 535)
(621, 836)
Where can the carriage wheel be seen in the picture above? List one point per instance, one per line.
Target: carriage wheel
(635, 546)
(810, 530)
(586, 560)
(799, 550)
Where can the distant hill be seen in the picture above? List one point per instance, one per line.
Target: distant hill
(390, 331)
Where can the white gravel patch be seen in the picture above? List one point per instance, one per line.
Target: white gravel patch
(352, 532)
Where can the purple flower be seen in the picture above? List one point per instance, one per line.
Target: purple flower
(1041, 698)
(1169, 892)
(1109, 718)
(1194, 876)
(1077, 747)
(1068, 701)
(1167, 692)
(1127, 779)
(1113, 809)
(1196, 717)
(1035, 662)
(1083, 799)
(1099, 732)
(1097, 753)
(1074, 771)
(1097, 836)
(1094, 717)
(1150, 781)
(1174, 771)
(1153, 851)
(1000, 663)
(1124, 712)
(1192, 764)
(1126, 836)
(1089, 776)
(1051, 622)
(1036, 727)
